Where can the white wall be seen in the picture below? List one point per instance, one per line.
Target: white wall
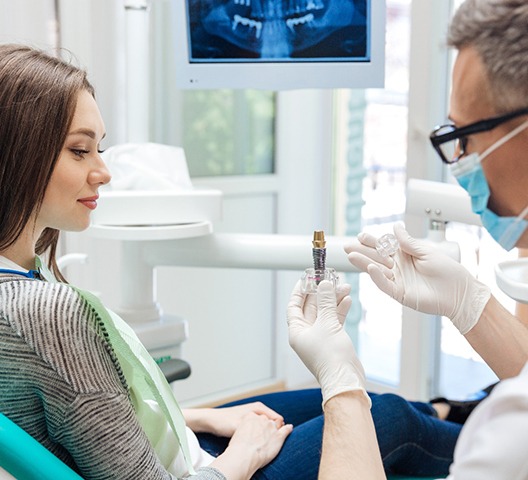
(28, 21)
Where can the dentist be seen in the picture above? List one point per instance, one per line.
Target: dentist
(486, 145)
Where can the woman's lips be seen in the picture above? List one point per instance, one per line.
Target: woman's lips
(90, 202)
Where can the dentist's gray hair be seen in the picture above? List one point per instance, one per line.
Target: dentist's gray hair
(498, 31)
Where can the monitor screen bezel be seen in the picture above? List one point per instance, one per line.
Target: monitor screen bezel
(279, 75)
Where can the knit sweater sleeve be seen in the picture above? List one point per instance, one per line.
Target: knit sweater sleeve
(71, 386)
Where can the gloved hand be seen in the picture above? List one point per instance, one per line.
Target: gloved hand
(315, 324)
(422, 278)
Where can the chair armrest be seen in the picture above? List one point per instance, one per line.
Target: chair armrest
(175, 369)
(23, 457)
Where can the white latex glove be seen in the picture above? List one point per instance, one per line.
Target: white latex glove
(423, 278)
(315, 324)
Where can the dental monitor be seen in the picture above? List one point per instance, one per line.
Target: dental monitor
(279, 44)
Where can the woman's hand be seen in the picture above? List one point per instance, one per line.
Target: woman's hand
(260, 436)
(223, 422)
(256, 441)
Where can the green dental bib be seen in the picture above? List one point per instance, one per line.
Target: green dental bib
(145, 380)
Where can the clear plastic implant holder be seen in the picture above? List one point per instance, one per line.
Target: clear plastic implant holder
(387, 245)
(312, 278)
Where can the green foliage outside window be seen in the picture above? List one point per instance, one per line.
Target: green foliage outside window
(229, 132)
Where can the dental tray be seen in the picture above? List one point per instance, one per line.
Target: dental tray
(138, 208)
(512, 278)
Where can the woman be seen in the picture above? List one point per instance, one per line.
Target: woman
(61, 378)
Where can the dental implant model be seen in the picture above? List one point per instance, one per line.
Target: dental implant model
(319, 251)
(387, 245)
(313, 276)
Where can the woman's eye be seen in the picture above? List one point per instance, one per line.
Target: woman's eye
(78, 152)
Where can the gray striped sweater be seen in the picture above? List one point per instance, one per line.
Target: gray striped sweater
(61, 382)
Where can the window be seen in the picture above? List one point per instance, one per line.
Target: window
(229, 132)
(223, 132)
(371, 156)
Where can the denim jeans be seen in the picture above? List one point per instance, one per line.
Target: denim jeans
(411, 439)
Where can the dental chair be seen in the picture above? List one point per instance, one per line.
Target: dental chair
(23, 458)
(26, 459)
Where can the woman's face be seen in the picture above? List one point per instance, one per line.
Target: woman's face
(71, 194)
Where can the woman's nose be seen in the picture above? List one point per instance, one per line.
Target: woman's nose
(100, 174)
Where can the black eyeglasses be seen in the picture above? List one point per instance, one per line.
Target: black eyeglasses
(450, 142)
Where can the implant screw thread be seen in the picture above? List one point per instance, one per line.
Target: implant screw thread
(319, 258)
(319, 255)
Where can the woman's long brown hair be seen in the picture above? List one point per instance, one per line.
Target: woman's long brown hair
(38, 95)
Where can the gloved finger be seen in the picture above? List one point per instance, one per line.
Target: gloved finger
(343, 301)
(409, 244)
(326, 302)
(369, 252)
(297, 298)
(385, 284)
(310, 308)
(310, 304)
(353, 246)
(296, 328)
(367, 239)
(342, 290)
(362, 262)
(294, 313)
(388, 272)
(371, 241)
(342, 309)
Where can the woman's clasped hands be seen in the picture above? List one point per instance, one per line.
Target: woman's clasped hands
(256, 434)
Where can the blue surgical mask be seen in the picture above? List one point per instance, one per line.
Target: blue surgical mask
(468, 171)
(505, 230)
